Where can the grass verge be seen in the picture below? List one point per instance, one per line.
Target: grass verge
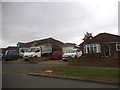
(108, 75)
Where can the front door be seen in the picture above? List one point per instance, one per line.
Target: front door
(107, 50)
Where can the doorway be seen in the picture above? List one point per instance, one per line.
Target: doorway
(107, 50)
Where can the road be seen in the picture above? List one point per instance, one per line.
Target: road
(15, 75)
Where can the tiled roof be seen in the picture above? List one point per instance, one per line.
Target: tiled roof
(40, 42)
(103, 38)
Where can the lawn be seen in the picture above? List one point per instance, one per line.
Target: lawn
(86, 73)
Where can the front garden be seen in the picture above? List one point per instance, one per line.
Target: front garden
(102, 62)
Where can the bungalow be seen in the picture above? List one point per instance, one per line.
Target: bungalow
(102, 45)
(55, 44)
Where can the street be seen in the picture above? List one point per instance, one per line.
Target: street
(15, 75)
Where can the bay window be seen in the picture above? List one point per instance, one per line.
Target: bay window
(92, 48)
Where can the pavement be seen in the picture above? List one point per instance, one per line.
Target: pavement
(55, 62)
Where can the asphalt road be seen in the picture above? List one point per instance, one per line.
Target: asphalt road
(15, 75)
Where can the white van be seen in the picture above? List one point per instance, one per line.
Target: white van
(72, 53)
(22, 51)
(33, 52)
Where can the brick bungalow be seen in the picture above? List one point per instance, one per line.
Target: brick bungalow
(102, 45)
(56, 44)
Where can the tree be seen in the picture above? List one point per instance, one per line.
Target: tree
(87, 36)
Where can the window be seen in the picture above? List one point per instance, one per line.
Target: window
(95, 49)
(118, 47)
(88, 50)
(92, 48)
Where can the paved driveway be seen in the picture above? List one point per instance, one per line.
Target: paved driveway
(54, 62)
(43, 62)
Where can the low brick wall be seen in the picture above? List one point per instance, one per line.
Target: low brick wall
(106, 62)
(35, 60)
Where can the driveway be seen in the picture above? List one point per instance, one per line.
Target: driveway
(43, 62)
(20, 60)
(53, 62)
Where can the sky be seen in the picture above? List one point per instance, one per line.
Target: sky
(63, 20)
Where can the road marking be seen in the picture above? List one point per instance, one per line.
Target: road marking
(14, 73)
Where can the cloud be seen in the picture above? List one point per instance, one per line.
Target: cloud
(66, 21)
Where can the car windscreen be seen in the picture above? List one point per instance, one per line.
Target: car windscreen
(24, 50)
(11, 52)
(71, 51)
(32, 50)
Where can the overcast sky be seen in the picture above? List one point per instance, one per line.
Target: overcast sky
(64, 21)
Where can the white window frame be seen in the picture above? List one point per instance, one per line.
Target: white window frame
(88, 46)
(117, 44)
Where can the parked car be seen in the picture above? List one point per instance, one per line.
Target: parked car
(11, 55)
(1, 56)
(22, 51)
(56, 55)
(73, 53)
(33, 52)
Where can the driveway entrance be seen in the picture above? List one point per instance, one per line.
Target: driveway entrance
(53, 62)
